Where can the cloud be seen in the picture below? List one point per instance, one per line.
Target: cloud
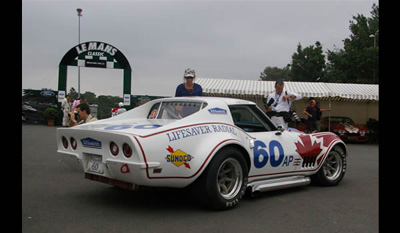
(219, 39)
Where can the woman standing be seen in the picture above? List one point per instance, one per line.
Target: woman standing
(189, 87)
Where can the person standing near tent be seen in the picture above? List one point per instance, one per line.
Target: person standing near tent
(319, 114)
(311, 112)
(278, 104)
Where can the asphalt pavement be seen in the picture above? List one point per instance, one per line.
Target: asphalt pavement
(57, 198)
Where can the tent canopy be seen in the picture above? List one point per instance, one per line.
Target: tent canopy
(319, 90)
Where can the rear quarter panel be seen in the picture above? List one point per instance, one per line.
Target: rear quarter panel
(184, 152)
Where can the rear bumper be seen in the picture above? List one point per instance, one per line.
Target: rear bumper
(116, 183)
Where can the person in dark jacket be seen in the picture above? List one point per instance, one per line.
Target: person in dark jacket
(189, 87)
(311, 112)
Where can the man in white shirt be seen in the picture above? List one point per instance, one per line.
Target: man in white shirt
(278, 104)
(66, 107)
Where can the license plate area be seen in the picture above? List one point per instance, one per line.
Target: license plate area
(95, 164)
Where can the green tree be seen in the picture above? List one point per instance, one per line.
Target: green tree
(335, 69)
(106, 103)
(90, 97)
(275, 73)
(358, 62)
(72, 93)
(308, 64)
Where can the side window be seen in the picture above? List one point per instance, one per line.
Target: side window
(250, 119)
(154, 111)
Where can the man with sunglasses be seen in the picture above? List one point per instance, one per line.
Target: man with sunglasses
(189, 87)
(278, 104)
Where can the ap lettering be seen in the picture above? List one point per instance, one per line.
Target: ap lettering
(261, 155)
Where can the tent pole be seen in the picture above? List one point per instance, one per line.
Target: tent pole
(329, 114)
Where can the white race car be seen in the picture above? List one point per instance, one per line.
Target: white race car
(221, 147)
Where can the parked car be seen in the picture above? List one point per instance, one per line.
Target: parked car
(373, 127)
(31, 114)
(219, 147)
(345, 128)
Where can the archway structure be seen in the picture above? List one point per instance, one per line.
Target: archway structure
(95, 54)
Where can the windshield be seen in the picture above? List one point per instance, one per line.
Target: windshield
(344, 120)
(174, 109)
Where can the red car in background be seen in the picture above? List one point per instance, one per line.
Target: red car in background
(345, 128)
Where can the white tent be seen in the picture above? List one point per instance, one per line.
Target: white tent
(255, 88)
(359, 101)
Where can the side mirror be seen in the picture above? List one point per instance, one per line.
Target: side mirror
(280, 130)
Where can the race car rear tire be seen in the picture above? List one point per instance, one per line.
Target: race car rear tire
(333, 169)
(223, 184)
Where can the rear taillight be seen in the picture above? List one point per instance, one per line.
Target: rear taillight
(64, 142)
(127, 150)
(74, 144)
(114, 148)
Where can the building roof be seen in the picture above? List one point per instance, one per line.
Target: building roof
(319, 90)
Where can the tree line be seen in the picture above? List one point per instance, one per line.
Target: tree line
(357, 62)
(104, 102)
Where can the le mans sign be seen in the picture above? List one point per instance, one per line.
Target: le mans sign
(95, 54)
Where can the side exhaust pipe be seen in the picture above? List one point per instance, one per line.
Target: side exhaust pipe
(279, 183)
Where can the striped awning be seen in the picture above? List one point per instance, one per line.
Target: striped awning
(319, 90)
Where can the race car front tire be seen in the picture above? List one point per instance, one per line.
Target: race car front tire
(223, 184)
(333, 169)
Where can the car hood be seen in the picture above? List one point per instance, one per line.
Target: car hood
(348, 127)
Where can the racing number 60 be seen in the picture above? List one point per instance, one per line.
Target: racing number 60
(260, 150)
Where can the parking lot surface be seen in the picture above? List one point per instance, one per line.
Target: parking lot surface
(57, 198)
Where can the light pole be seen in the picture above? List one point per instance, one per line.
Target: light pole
(79, 10)
(374, 36)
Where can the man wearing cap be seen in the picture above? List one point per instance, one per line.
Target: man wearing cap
(189, 87)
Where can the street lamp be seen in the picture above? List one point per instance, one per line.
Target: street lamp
(79, 10)
(374, 36)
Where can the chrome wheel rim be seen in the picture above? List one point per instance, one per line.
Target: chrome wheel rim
(333, 166)
(229, 178)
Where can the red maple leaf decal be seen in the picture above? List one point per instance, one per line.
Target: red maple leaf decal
(328, 138)
(170, 149)
(307, 149)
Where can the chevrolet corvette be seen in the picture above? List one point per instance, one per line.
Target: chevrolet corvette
(220, 148)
